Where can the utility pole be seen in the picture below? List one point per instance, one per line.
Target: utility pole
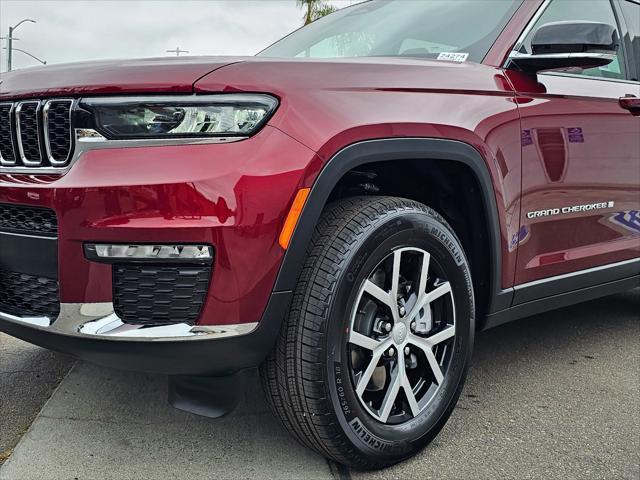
(9, 48)
(177, 51)
(10, 40)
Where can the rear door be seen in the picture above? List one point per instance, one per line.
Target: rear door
(581, 158)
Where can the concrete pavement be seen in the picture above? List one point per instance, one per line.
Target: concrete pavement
(28, 376)
(552, 396)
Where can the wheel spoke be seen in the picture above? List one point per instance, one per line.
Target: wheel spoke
(362, 340)
(440, 337)
(424, 274)
(435, 366)
(366, 375)
(395, 276)
(426, 346)
(392, 391)
(408, 391)
(433, 295)
(379, 294)
(438, 292)
(395, 282)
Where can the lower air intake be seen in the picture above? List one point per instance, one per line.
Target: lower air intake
(159, 294)
(25, 295)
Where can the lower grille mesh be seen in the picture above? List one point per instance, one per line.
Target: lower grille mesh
(28, 220)
(25, 295)
(159, 295)
(29, 139)
(58, 128)
(7, 154)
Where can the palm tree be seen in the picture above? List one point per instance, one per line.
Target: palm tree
(314, 9)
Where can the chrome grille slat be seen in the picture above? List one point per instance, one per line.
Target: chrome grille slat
(36, 136)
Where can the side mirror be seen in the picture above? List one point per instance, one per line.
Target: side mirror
(564, 45)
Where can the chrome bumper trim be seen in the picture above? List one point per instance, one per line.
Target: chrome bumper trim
(98, 320)
(32, 321)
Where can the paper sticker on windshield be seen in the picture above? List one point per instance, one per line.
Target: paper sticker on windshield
(453, 56)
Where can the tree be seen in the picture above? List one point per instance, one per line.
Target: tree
(314, 9)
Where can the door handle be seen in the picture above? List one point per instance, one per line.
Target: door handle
(631, 103)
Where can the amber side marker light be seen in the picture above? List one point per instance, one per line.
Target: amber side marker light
(293, 216)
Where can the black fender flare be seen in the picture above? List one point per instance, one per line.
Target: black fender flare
(384, 150)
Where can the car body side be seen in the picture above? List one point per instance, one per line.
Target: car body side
(236, 195)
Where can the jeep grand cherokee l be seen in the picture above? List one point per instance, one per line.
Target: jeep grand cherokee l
(344, 210)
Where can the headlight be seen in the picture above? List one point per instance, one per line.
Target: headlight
(237, 115)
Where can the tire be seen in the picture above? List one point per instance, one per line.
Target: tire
(314, 376)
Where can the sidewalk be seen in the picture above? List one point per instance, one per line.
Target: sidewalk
(28, 377)
(104, 424)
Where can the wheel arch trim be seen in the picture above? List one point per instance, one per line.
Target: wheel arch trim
(396, 149)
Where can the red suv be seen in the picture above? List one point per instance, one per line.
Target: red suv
(343, 210)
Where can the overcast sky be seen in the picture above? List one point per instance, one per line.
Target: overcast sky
(80, 30)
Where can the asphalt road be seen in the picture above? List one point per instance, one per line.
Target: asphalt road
(552, 396)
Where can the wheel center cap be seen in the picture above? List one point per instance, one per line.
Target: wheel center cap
(399, 333)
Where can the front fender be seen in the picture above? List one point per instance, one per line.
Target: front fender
(391, 149)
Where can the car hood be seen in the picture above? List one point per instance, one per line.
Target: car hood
(206, 74)
(283, 75)
(150, 75)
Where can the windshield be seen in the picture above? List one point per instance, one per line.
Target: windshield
(412, 28)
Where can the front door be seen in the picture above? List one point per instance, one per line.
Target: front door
(580, 159)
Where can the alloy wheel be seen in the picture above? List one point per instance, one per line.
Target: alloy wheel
(401, 336)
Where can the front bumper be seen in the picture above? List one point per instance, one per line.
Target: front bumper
(233, 197)
(92, 332)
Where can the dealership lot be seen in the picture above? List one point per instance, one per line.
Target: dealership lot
(552, 396)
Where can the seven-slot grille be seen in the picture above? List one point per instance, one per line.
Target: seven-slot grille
(36, 134)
